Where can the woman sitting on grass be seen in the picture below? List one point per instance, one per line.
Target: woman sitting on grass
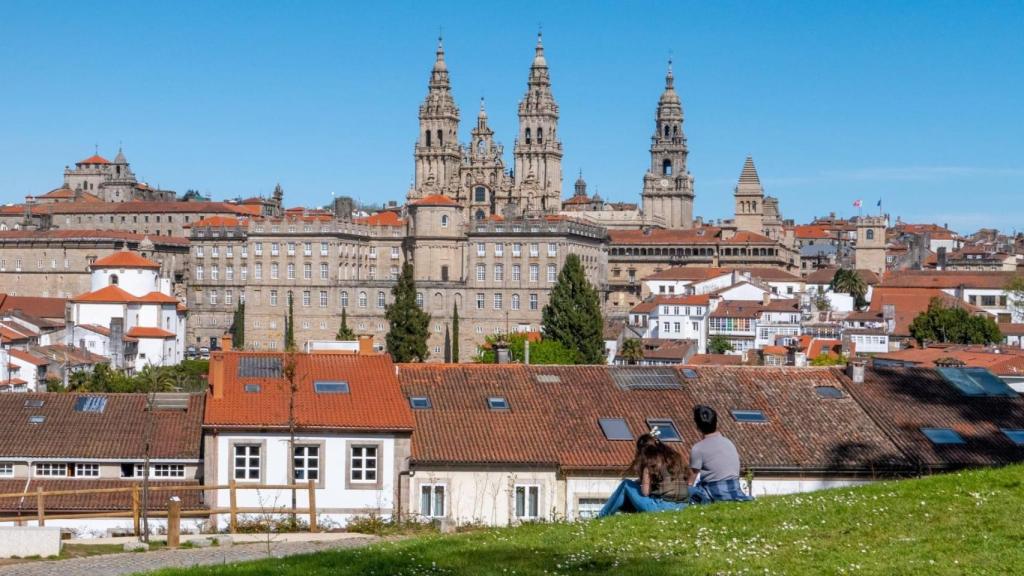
(662, 483)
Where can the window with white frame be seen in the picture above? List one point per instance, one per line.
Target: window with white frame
(87, 470)
(214, 273)
(291, 248)
(306, 298)
(515, 302)
(481, 249)
(527, 501)
(307, 271)
(381, 300)
(247, 462)
(275, 271)
(481, 273)
(257, 248)
(363, 464)
(166, 471)
(323, 248)
(497, 301)
(257, 271)
(291, 271)
(199, 251)
(323, 271)
(552, 273)
(499, 273)
(432, 500)
(273, 297)
(552, 249)
(51, 469)
(534, 249)
(587, 508)
(323, 298)
(499, 249)
(244, 270)
(480, 301)
(6, 469)
(306, 462)
(534, 272)
(533, 302)
(517, 249)
(199, 272)
(394, 252)
(307, 249)
(516, 272)
(344, 299)
(362, 300)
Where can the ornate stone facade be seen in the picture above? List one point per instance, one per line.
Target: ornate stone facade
(668, 185)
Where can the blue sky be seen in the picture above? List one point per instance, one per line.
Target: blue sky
(916, 103)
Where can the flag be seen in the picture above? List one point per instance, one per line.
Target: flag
(857, 203)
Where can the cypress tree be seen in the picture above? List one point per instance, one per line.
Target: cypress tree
(447, 346)
(344, 332)
(572, 316)
(289, 324)
(408, 324)
(455, 333)
(238, 327)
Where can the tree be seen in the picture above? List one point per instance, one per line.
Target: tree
(344, 332)
(719, 344)
(455, 333)
(632, 351)
(447, 345)
(542, 352)
(826, 359)
(238, 327)
(953, 324)
(408, 323)
(152, 380)
(289, 324)
(572, 316)
(821, 302)
(289, 364)
(849, 282)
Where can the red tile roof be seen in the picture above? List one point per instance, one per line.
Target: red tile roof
(67, 193)
(114, 433)
(1003, 361)
(386, 218)
(89, 235)
(435, 200)
(825, 275)
(813, 232)
(716, 359)
(374, 401)
(149, 332)
(157, 297)
(94, 159)
(110, 294)
(104, 501)
(38, 306)
(949, 279)
(219, 221)
(909, 302)
(133, 207)
(125, 259)
(27, 357)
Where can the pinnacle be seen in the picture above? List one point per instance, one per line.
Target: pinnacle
(669, 77)
(538, 58)
(749, 173)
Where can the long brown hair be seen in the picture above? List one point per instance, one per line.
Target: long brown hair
(661, 461)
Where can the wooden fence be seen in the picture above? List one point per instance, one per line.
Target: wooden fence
(136, 497)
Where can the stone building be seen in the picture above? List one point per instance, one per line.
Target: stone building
(55, 263)
(109, 181)
(157, 218)
(668, 186)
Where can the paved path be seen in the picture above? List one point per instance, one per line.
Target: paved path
(135, 562)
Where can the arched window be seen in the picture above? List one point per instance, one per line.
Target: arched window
(870, 236)
(440, 139)
(540, 135)
(480, 194)
(666, 130)
(675, 130)
(444, 221)
(480, 215)
(527, 135)
(419, 299)
(113, 278)
(344, 299)
(381, 299)
(362, 299)
(481, 146)
(428, 137)
(666, 167)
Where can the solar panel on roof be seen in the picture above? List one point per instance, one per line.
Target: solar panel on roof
(259, 367)
(615, 429)
(646, 378)
(976, 382)
(90, 404)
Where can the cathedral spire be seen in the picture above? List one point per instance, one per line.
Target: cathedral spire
(439, 74)
(538, 57)
(749, 173)
(670, 80)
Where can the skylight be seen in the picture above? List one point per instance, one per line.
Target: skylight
(252, 388)
(940, 436)
(34, 403)
(90, 404)
(749, 416)
(36, 419)
(330, 387)
(497, 403)
(689, 373)
(419, 402)
(976, 382)
(828, 392)
(666, 429)
(615, 429)
(548, 378)
(1015, 436)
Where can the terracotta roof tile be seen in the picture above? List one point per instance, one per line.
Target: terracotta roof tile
(149, 332)
(42, 235)
(111, 293)
(28, 357)
(110, 501)
(386, 218)
(125, 259)
(948, 279)
(38, 306)
(94, 159)
(435, 200)
(909, 302)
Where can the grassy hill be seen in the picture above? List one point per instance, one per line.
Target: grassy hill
(962, 523)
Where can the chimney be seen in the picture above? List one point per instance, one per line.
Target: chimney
(117, 342)
(365, 344)
(216, 375)
(501, 353)
(855, 371)
(941, 258)
(889, 316)
(226, 342)
(526, 351)
(766, 299)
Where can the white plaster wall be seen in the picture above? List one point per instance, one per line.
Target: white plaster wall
(135, 281)
(151, 352)
(29, 541)
(487, 496)
(743, 292)
(776, 486)
(99, 314)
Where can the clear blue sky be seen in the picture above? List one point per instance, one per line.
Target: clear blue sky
(917, 103)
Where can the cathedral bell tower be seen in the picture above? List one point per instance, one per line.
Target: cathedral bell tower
(668, 185)
(750, 201)
(538, 152)
(437, 149)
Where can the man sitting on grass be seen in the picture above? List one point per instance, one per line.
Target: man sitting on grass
(714, 463)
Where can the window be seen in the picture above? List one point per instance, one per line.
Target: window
(344, 299)
(444, 273)
(587, 508)
(534, 249)
(245, 273)
(199, 273)
(273, 297)
(166, 471)
(749, 416)
(941, 436)
(305, 298)
(499, 249)
(90, 404)
(976, 382)
(615, 429)
(380, 299)
(432, 500)
(257, 271)
(419, 402)
(516, 272)
(481, 273)
(291, 271)
(51, 469)
(362, 299)
(247, 462)
(245, 250)
(497, 403)
(213, 297)
(444, 221)
(498, 301)
(363, 466)
(87, 470)
(6, 469)
(330, 387)
(480, 301)
(527, 501)
(552, 249)
(394, 253)
(306, 462)
(323, 298)
(214, 273)
(552, 273)
(199, 251)
(667, 431)
(323, 271)
(517, 249)
(828, 392)
(515, 302)
(533, 302)
(307, 271)
(251, 388)
(1015, 436)
(228, 297)
(291, 245)
(534, 272)
(499, 273)
(275, 271)
(257, 248)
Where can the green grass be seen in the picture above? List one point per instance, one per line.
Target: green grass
(963, 523)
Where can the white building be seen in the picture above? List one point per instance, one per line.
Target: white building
(129, 315)
(673, 318)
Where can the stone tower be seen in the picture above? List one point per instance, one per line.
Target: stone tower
(749, 197)
(869, 253)
(538, 153)
(486, 186)
(437, 149)
(668, 185)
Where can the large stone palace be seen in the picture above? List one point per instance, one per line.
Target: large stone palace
(484, 238)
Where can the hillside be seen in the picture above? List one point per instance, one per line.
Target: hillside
(961, 523)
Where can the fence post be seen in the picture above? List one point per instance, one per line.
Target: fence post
(40, 512)
(233, 510)
(173, 521)
(312, 506)
(135, 509)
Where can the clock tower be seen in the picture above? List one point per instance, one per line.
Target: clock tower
(668, 185)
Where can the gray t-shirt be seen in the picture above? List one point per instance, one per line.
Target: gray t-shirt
(716, 458)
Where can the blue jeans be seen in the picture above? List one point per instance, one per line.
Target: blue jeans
(628, 498)
(728, 490)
